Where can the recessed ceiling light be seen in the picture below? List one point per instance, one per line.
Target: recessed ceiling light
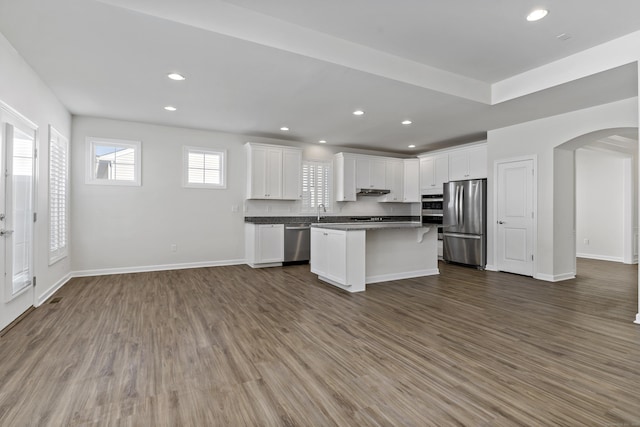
(322, 141)
(176, 76)
(284, 128)
(358, 113)
(170, 108)
(412, 146)
(537, 14)
(406, 122)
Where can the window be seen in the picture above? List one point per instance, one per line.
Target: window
(204, 168)
(113, 162)
(58, 195)
(316, 186)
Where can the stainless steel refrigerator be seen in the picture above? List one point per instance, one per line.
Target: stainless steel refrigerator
(464, 222)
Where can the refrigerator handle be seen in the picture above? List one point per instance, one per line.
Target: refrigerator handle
(455, 205)
(461, 205)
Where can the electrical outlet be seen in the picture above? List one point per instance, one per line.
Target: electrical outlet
(234, 208)
(586, 241)
(174, 247)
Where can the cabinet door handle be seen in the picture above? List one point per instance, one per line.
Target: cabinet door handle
(500, 222)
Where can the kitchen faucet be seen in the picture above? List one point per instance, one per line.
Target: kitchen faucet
(323, 207)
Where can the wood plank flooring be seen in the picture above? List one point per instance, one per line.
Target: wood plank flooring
(232, 346)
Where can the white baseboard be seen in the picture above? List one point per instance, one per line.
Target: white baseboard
(148, 268)
(52, 290)
(600, 257)
(399, 276)
(555, 277)
(637, 319)
(491, 267)
(268, 264)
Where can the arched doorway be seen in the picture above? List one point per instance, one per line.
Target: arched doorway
(617, 142)
(623, 142)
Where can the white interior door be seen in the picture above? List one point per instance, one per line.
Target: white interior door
(515, 216)
(16, 219)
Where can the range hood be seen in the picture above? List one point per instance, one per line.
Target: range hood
(372, 192)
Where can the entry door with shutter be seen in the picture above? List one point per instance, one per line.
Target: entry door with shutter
(16, 218)
(515, 216)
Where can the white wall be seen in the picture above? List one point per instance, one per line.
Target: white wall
(22, 89)
(599, 204)
(118, 229)
(539, 138)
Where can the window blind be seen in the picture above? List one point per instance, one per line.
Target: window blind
(316, 185)
(58, 195)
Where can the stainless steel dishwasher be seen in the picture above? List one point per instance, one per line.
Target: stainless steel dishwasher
(297, 242)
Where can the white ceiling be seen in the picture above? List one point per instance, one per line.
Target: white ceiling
(253, 66)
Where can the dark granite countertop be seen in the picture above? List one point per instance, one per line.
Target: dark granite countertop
(370, 225)
(326, 219)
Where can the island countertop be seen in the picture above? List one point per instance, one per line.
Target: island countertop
(347, 226)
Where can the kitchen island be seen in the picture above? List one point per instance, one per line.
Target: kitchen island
(352, 255)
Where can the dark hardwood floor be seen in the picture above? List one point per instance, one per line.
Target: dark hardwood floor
(232, 346)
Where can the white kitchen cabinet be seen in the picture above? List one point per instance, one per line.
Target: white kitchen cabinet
(468, 163)
(434, 172)
(337, 256)
(370, 172)
(411, 181)
(291, 174)
(345, 177)
(394, 180)
(355, 171)
(328, 254)
(318, 262)
(264, 244)
(273, 172)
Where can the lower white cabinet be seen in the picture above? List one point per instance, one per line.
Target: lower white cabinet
(337, 256)
(264, 244)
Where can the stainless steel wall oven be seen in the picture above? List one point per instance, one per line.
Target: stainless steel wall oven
(432, 209)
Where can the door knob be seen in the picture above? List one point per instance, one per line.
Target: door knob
(5, 232)
(500, 222)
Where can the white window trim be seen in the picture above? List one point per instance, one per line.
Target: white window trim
(90, 150)
(185, 167)
(63, 251)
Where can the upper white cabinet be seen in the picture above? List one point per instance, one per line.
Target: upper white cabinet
(394, 180)
(434, 171)
(273, 172)
(345, 177)
(291, 174)
(370, 172)
(358, 171)
(468, 163)
(411, 181)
